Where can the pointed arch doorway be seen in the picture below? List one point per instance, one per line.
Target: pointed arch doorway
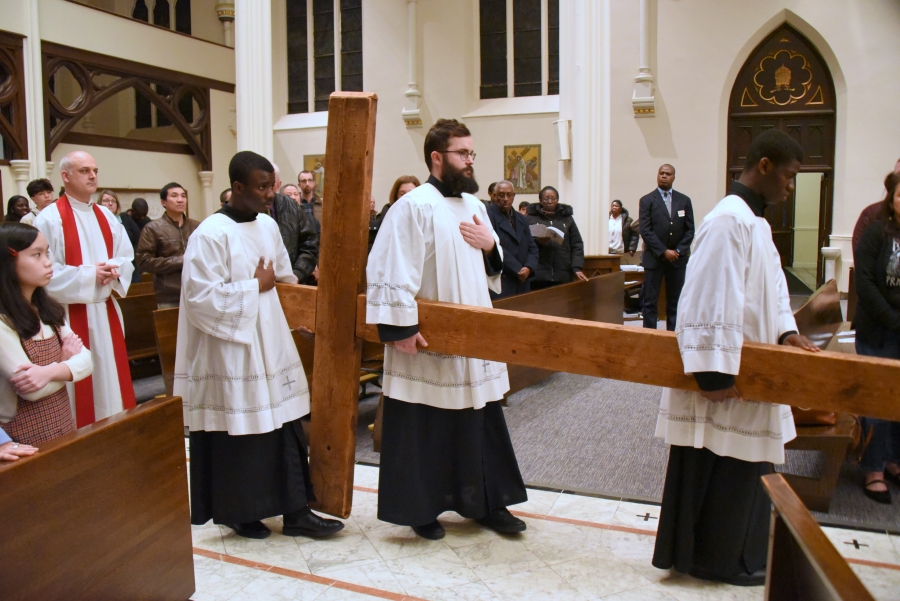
(786, 85)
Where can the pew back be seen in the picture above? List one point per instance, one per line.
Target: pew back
(101, 513)
(803, 564)
(166, 330)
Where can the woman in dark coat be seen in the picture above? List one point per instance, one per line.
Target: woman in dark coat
(558, 262)
(621, 228)
(877, 324)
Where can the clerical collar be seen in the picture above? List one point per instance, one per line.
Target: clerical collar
(756, 202)
(443, 188)
(236, 215)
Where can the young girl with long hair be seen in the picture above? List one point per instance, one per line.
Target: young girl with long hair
(40, 351)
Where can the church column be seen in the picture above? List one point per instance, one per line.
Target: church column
(21, 170)
(253, 76)
(584, 101)
(225, 12)
(411, 114)
(209, 201)
(642, 100)
(34, 93)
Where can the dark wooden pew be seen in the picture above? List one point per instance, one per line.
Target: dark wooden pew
(803, 565)
(137, 316)
(100, 513)
(819, 319)
(599, 299)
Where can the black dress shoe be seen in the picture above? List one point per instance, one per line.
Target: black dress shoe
(256, 530)
(757, 578)
(879, 496)
(501, 520)
(432, 531)
(305, 523)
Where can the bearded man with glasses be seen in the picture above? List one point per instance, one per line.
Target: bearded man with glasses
(445, 445)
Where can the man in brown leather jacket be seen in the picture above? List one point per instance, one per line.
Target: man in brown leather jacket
(160, 250)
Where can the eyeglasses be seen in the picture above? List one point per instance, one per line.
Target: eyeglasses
(462, 154)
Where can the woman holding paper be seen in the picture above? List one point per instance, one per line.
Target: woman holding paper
(561, 249)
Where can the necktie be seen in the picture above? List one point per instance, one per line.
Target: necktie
(667, 197)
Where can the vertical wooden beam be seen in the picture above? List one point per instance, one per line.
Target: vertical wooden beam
(342, 267)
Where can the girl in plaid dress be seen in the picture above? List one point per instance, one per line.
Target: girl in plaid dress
(40, 353)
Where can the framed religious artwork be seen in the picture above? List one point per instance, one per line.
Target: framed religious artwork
(522, 166)
(316, 164)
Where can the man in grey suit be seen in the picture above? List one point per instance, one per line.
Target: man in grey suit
(667, 227)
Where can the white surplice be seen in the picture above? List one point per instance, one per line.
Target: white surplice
(734, 291)
(78, 285)
(420, 254)
(236, 365)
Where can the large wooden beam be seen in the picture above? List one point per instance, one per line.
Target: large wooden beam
(100, 513)
(342, 265)
(769, 373)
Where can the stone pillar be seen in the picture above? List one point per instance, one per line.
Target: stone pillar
(225, 12)
(50, 166)
(832, 256)
(411, 114)
(253, 75)
(643, 100)
(34, 93)
(209, 200)
(21, 170)
(584, 92)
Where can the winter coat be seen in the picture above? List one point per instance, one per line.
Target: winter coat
(558, 262)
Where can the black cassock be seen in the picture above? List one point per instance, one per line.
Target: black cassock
(239, 479)
(715, 515)
(435, 460)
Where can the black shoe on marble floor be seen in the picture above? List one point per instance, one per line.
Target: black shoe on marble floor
(256, 530)
(305, 523)
(432, 531)
(501, 520)
(757, 578)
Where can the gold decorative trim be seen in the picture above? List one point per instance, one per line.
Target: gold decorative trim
(644, 111)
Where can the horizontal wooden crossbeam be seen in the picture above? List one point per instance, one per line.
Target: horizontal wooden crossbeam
(769, 373)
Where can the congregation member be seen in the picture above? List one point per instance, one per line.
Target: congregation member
(91, 257)
(877, 325)
(559, 261)
(667, 227)
(621, 232)
(245, 393)
(134, 221)
(292, 192)
(714, 520)
(309, 200)
(867, 216)
(160, 250)
(445, 445)
(40, 351)
(523, 207)
(110, 200)
(520, 253)
(11, 450)
(41, 193)
(224, 196)
(299, 234)
(17, 207)
(402, 185)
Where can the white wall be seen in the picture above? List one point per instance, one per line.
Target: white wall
(806, 220)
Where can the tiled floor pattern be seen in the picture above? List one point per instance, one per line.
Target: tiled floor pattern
(576, 547)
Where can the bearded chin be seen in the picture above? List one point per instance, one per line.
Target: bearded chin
(458, 182)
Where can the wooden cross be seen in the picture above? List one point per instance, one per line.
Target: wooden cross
(336, 313)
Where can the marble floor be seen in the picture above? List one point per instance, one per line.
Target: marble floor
(576, 547)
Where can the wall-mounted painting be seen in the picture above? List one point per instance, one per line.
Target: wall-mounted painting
(523, 167)
(316, 164)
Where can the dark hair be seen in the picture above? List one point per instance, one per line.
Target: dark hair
(491, 188)
(619, 202)
(774, 145)
(37, 186)
(11, 216)
(21, 316)
(223, 195)
(523, 204)
(544, 189)
(246, 162)
(403, 179)
(438, 137)
(669, 165)
(887, 205)
(140, 204)
(164, 191)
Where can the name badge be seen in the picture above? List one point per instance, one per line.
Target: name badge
(681, 213)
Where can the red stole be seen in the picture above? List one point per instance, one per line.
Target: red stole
(78, 319)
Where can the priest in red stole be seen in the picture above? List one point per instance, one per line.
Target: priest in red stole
(91, 257)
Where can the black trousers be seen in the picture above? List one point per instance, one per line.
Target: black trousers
(436, 460)
(653, 279)
(239, 479)
(715, 514)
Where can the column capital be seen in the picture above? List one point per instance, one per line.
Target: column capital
(21, 169)
(225, 11)
(206, 178)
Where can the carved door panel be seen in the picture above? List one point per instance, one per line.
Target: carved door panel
(781, 218)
